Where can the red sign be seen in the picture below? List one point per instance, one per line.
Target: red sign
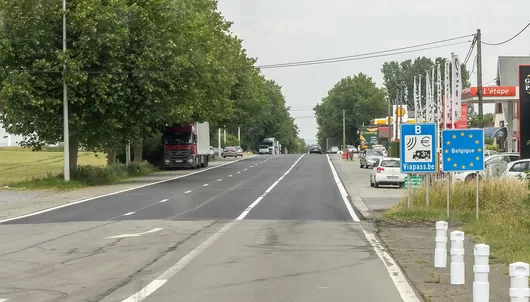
(462, 122)
(490, 91)
(384, 132)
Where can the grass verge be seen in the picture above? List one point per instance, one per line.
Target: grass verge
(85, 176)
(504, 217)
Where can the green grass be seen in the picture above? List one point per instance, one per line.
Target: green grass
(43, 170)
(504, 216)
(19, 164)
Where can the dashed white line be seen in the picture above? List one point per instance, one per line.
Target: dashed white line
(230, 175)
(164, 200)
(189, 191)
(128, 214)
(184, 261)
(238, 172)
(205, 185)
(219, 179)
(400, 282)
(3, 300)
(245, 170)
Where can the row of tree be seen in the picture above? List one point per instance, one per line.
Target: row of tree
(131, 67)
(361, 100)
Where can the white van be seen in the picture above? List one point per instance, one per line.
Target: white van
(264, 149)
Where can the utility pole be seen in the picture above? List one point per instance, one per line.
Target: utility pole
(239, 135)
(219, 142)
(479, 79)
(343, 129)
(66, 139)
(128, 154)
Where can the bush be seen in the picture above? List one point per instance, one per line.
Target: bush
(504, 216)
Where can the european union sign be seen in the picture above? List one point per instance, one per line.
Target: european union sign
(463, 150)
(418, 148)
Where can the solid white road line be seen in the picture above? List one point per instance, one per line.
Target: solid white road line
(3, 300)
(184, 261)
(128, 214)
(205, 185)
(189, 191)
(135, 235)
(395, 272)
(118, 192)
(163, 200)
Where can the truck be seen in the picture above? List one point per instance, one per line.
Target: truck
(274, 145)
(186, 145)
(368, 137)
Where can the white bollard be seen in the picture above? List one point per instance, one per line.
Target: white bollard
(481, 285)
(440, 252)
(457, 258)
(519, 291)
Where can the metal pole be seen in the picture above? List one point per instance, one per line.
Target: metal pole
(343, 129)
(477, 201)
(448, 184)
(408, 191)
(66, 135)
(479, 79)
(128, 153)
(219, 142)
(427, 189)
(239, 135)
(225, 137)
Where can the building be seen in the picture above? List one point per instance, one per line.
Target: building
(8, 139)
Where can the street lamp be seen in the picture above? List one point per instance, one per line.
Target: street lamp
(66, 140)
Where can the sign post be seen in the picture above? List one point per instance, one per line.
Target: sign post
(418, 150)
(463, 150)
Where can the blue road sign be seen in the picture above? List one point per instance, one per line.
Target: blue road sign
(463, 150)
(418, 148)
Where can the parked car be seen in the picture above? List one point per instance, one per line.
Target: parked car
(380, 148)
(239, 151)
(229, 152)
(386, 171)
(494, 166)
(490, 152)
(315, 149)
(333, 150)
(518, 168)
(368, 157)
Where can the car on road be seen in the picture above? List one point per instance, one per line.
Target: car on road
(368, 157)
(264, 149)
(380, 148)
(239, 151)
(315, 149)
(229, 152)
(333, 150)
(386, 171)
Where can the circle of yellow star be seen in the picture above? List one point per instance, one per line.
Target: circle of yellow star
(471, 164)
(462, 134)
(479, 150)
(454, 136)
(470, 135)
(476, 142)
(448, 142)
(477, 158)
(448, 159)
(463, 167)
(455, 165)
(446, 150)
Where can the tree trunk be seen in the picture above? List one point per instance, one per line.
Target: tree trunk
(138, 151)
(74, 151)
(111, 157)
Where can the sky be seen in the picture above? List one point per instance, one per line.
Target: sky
(279, 31)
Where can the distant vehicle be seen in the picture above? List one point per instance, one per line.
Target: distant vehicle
(517, 169)
(186, 145)
(494, 166)
(229, 152)
(239, 151)
(264, 149)
(315, 149)
(369, 157)
(490, 152)
(380, 148)
(351, 149)
(333, 150)
(386, 171)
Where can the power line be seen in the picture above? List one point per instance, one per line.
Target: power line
(357, 58)
(364, 54)
(470, 51)
(504, 42)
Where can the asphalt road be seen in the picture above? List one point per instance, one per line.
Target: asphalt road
(248, 231)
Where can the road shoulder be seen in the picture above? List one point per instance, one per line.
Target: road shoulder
(15, 203)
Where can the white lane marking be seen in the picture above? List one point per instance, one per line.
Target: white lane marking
(229, 175)
(245, 169)
(3, 300)
(252, 205)
(205, 185)
(219, 179)
(118, 192)
(238, 172)
(396, 274)
(189, 191)
(164, 200)
(134, 235)
(184, 261)
(128, 214)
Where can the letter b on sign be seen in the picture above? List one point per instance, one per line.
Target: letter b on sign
(417, 129)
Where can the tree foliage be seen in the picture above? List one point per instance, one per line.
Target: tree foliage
(361, 101)
(396, 74)
(131, 68)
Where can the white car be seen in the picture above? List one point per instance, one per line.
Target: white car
(386, 171)
(517, 169)
(494, 166)
(380, 148)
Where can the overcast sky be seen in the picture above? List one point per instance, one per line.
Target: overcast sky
(278, 31)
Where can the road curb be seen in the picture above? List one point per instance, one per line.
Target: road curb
(354, 195)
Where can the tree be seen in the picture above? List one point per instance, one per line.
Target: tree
(395, 73)
(361, 100)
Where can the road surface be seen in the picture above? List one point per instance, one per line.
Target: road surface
(268, 228)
